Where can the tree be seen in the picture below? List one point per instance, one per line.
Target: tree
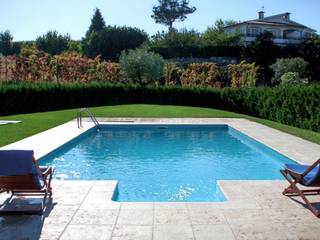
(142, 66)
(175, 38)
(111, 41)
(53, 43)
(6, 45)
(288, 65)
(75, 46)
(216, 35)
(97, 22)
(169, 11)
(311, 51)
(264, 53)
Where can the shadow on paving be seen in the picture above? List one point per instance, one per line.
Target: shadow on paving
(18, 226)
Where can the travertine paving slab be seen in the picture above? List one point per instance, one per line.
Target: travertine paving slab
(258, 230)
(169, 232)
(135, 217)
(213, 232)
(132, 232)
(171, 216)
(87, 232)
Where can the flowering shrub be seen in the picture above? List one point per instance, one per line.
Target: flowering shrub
(201, 74)
(34, 65)
(172, 74)
(243, 74)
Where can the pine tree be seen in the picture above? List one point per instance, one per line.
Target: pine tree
(169, 11)
(97, 22)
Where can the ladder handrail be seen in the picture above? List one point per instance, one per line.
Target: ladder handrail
(90, 114)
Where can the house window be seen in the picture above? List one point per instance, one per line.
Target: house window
(254, 31)
(275, 32)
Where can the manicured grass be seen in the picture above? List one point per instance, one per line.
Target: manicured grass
(38, 122)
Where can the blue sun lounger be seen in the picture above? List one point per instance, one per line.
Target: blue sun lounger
(21, 175)
(306, 175)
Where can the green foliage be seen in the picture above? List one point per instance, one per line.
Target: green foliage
(264, 53)
(6, 45)
(53, 43)
(216, 36)
(292, 78)
(311, 53)
(169, 11)
(286, 65)
(75, 46)
(292, 105)
(97, 22)
(197, 51)
(176, 39)
(243, 74)
(111, 41)
(201, 75)
(142, 66)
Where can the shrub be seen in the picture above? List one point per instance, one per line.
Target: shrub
(111, 41)
(243, 74)
(172, 74)
(217, 36)
(293, 105)
(53, 43)
(202, 75)
(285, 65)
(37, 66)
(168, 52)
(292, 78)
(32, 65)
(142, 66)
(183, 38)
(109, 72)
(72, 67)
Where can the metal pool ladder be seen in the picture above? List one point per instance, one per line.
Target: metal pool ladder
(90, 114)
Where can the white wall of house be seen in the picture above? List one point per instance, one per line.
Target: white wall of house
(283, 29)
(282, 35)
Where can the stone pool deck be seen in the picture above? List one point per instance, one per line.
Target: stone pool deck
(84, 209)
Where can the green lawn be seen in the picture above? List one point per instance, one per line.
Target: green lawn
(38, 122)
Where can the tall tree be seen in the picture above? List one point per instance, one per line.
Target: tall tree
(97, 22)
(169, 11)
(112, 40)
(311, 51)
(6, 45)
(216, 35)
(53, 43)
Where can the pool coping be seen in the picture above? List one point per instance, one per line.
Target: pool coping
(285, 144)
(293, 147)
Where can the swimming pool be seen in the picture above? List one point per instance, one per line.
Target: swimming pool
(166, 162)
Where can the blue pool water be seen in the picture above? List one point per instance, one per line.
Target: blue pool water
(166, 162)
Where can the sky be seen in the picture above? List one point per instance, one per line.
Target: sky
(28, 19)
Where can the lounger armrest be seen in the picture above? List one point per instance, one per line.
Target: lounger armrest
(311, 167)
(296, 175)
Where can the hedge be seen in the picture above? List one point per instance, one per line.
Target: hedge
(292, 105)
(198, 52)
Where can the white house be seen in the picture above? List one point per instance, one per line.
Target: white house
(285, 31)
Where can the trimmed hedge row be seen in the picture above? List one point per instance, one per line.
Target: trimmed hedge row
(198, 52)
(292, 105)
